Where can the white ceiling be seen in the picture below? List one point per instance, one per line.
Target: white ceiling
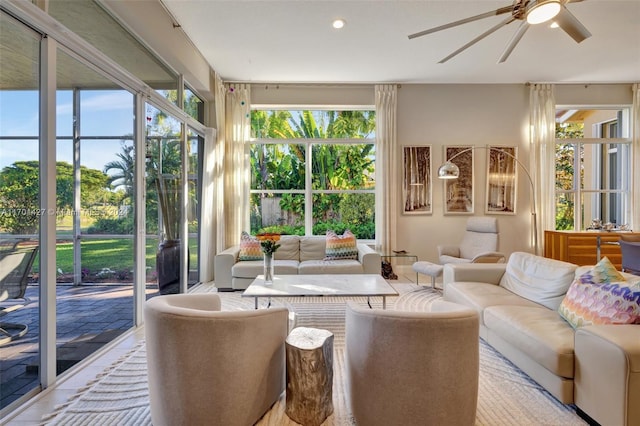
(293, 41)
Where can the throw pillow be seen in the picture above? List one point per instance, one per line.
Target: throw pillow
(605, 272)
(589, 303)
(250, 248)
(340, 247)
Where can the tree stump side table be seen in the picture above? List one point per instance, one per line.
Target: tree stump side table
(309, 375)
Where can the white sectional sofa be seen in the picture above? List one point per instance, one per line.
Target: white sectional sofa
(595, 367)
(296, 255)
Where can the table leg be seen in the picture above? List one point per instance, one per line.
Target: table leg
(384, 302)
(255, 301)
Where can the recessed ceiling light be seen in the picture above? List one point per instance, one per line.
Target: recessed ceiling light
(338, 23)
(554, 25)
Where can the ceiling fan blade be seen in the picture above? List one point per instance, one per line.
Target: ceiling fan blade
(571, 25)
(500, 11)
(477, 39)
(514, 41)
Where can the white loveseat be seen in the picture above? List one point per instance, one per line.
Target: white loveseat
(596, 367)
(296, 255)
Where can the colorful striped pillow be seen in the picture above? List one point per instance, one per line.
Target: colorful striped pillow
(589, 303)
(340, 247)
(250, 248)
(605, 272)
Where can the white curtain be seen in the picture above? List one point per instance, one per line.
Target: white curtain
(218, 166)
(236, 161)
(207, 245)
(635, 159)
(542, 107)
(386, 167)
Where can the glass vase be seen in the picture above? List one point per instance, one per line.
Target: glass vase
(268, 268)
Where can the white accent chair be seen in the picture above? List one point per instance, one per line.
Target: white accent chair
(212, 367)
(15, 266)
(479, 244)
(412, 368)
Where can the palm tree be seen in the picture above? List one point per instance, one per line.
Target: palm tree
(124, 171)
(334, 166)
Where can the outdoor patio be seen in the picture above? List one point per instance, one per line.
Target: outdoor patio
(88, 317)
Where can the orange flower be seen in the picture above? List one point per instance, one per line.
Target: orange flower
(268, 236)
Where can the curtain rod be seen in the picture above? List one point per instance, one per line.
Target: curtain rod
(303, 85)
(578, 83)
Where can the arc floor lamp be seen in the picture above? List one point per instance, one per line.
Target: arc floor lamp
(450, 171)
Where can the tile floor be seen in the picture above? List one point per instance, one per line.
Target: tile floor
(44, 403)
(87, 316)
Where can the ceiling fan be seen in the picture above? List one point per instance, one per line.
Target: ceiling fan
(530, 12)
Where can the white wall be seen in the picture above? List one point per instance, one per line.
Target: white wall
(315, 94)
(440, 115)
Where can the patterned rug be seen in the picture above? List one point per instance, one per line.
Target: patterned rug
(119, 396)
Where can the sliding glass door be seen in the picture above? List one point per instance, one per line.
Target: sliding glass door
(109, 159)
(19, 211)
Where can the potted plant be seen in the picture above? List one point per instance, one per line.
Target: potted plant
(169, 248)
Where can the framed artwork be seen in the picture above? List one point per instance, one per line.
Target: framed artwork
(501, 180)
(416, 180)
(458, 193)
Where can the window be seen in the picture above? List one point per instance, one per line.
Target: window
(593, 152)
(193, 105)
(313, 170)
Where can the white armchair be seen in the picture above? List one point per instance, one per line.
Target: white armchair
(412, 368)
(479, 244)
(212, 367)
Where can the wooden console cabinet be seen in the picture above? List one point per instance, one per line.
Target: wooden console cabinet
(583, 247)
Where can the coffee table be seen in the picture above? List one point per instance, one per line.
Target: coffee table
(368, 285)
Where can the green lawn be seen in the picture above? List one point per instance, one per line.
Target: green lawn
(115, 254)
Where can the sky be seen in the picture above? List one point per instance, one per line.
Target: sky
(103, 113)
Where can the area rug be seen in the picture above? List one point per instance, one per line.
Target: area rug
(506, 395)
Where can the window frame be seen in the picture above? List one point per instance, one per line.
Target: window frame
(309, 143)
(579, 188)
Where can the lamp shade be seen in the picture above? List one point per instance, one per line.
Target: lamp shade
(448, 171)
(542, 11)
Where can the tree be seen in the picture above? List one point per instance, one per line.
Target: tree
(334, 166)
(20, 193)
(123, 171)
(565, 173)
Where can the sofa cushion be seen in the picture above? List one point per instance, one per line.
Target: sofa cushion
(541, 280)
(589, 303)
(347, 266)
(482, 295)
(536, 331)
(253, 268)
(250, 248)
(289, 248)
(312, 247)
(341, 246)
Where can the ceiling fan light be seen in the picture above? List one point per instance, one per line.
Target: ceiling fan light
(543, 11)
